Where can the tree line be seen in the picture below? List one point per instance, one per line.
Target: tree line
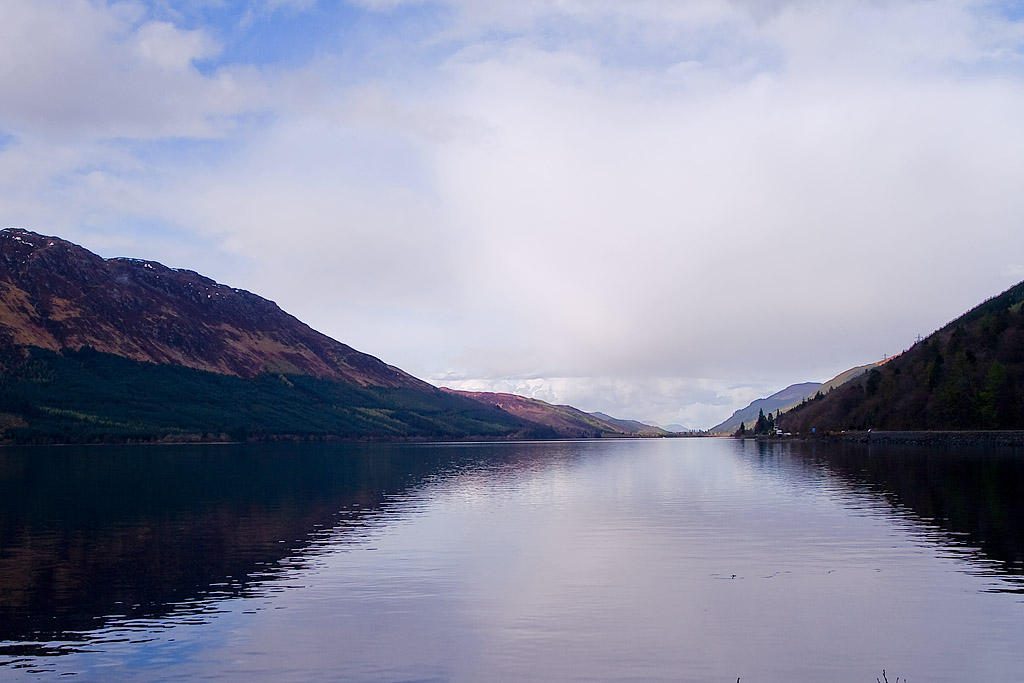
(765, 424)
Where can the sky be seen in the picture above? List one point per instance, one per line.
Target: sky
(659, 210)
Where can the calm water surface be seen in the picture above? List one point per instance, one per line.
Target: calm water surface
(684, 559)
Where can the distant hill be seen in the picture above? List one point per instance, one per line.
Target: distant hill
(676, 428)
(632, 426)
(780, 400)
(967, 375)
(844, 377)
(565, 421)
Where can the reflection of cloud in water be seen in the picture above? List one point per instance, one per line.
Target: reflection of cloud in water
(651, 559)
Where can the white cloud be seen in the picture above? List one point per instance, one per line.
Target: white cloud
(81, 70)
(170, 49)
(761, 193)
(290, 4)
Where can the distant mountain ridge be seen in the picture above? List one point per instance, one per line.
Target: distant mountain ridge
(566, 421)
(780, 400)
(632, 426)
(787, 399)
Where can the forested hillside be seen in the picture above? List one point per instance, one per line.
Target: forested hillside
(85, 396)
(96, 350)
(967, 375)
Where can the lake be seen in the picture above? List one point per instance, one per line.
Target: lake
(664, 559)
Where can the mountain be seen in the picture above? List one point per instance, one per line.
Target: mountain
(565, 421)
(676, 428)
(967, 375)
(57, 295)
(788, 398)
(780, 400)
(99, 350)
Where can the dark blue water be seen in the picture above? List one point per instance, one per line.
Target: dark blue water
(683, 559)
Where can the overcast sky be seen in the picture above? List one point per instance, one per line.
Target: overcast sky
(658, 209)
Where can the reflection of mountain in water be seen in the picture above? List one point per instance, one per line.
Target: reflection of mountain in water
(89, 535)
(975, 496)
(92, 536)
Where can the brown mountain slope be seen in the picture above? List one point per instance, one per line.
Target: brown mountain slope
(566, 421)
(56, 295)
(632, 427)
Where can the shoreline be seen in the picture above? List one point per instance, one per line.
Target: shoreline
(332, 439)
(970, 437)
